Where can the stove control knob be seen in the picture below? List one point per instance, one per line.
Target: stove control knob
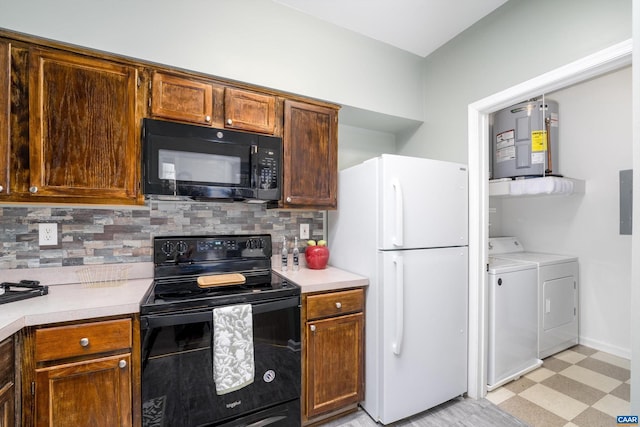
(167, 248)
(182, 248)
(84, 342)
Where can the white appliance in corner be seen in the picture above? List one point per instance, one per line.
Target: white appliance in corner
(402, 222)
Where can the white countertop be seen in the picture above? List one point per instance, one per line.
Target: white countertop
(328, 279)
(70, 301)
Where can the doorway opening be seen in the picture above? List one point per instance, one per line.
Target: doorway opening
(610, 59)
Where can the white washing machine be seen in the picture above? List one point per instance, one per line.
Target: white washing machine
(557, 293)
(513, 321)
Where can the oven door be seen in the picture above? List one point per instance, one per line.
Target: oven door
(177, 370)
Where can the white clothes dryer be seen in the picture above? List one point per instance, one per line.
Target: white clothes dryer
(557, 293)
(513, 321)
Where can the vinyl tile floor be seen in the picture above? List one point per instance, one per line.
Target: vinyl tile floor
(579, 387)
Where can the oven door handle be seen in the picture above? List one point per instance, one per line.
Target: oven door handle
(160, 320)
(268, 421)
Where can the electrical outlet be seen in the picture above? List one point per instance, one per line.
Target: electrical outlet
(304, 231)
(48, 234)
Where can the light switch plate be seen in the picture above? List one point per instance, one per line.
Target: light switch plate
(48, 234)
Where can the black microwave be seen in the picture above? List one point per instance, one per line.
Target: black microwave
(182, 161)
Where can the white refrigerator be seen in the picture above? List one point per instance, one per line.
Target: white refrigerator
(402, 222)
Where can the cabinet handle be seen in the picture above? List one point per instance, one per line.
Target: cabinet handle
(1, 188)
(84, 342)
(229, 122)
(122, 364)
(313, 328)
(288, 199)
(338, 305)
(33, 189)
(207, 119)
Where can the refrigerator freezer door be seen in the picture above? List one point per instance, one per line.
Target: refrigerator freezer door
(424, 203)
(424, 331)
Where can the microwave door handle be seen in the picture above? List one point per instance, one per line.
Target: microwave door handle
(255, 176)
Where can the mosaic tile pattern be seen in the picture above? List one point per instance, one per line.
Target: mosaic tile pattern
(578, 387)
(89, 235)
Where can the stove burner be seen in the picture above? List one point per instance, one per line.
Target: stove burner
(10, 292)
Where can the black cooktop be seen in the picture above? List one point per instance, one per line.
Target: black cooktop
(184, 295)
(10, 292)
(180, 260)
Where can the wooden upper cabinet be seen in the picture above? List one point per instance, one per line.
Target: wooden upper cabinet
(5, 98)
(310, 156)
(249, 111)
(179, 98)
(84, 135)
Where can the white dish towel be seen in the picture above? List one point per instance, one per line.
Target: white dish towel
(233, 364)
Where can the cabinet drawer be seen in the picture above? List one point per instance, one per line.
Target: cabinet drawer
(84, 339)
(334, 303)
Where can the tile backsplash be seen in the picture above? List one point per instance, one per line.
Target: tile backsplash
(94, 235)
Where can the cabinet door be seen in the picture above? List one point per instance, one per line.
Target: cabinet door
(310, 156)
(7, 389)
(93, 393)
(7, 402)
(334, 363)
(5, 90)
(249, 111)
(83, 131)
(183, 99)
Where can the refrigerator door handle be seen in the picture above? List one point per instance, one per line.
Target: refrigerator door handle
(397, 345)
(399, 232)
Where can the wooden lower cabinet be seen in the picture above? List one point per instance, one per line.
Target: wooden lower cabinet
(7, 384)
(333, 376)
(7, 402)
(91, 393)
(83, 375)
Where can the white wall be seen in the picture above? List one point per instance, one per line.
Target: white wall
(254, 41)
(357, 145)
(520, 40)
(594, 145)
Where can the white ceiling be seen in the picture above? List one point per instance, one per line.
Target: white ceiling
(417, 26)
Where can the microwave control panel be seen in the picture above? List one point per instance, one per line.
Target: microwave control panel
(268, 170)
